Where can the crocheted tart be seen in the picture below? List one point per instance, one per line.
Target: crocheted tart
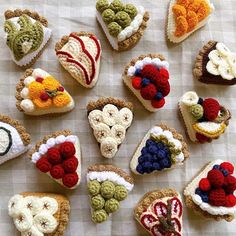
(187, 16)
(123, 24)
(204, 119)
(148, 78)
(161, 148)
(58, 155)
(211, 192)
(39, 93)
(14, 140)
(80, 54)
(27, 34)
(39, 214)
(215, 64)
(160, 212)
(108, 185)
(109, 118)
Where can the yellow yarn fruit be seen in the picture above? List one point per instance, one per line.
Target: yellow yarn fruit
(35, 89)
(42, 104)
(50, 83)
(61, 100)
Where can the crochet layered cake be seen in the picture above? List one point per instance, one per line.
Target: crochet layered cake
(80, 54)
(58, 155)
(27, 33)
(211, 192)
(215, 64)
(204, 119)
(39, 214)
(39, 93)
(162, 148)
(148, 78)
(109, 118)
(160, 212)
(107, 186)
(123, 24)
(14, 140)
(187, 16)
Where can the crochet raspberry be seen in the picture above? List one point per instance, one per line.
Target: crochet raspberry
(39, 79)
(160, 81)
(70, 180)
(158, 103)
(148, 92)
(70, 165)
(204, 184)
(230, 200)
(217, 197)
(164, 73)
(57, 172)
(67, 149)
(61, 89)
(230, 184)
(43, 165)
(227, 166)
(216, 178)
(211, 108)
(149, 71)
(165, 89)
(54, 156)
(202, 138)
(136, 82)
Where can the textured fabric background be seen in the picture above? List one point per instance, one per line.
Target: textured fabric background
(65, 16)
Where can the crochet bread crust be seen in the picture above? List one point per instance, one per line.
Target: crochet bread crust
(62, 215)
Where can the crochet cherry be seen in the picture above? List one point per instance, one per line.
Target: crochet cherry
(54, 156)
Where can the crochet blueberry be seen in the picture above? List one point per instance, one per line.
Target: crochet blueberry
(148, 157)
(224, 172)
(138, 72)
(198, 191)
(156, 166)
(147, 167)
(145, 82)
(150, 142)
(158, 96)
(204, 196)
(153, 149)
(141, 159)
(200, 101)
(140, 169)
(144, 150)
(165, 163)
(216, 167)
(162, 154)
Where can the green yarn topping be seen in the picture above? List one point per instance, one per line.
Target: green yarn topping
(9, 27)
(117, 6)
(114, 29)
(94, 187)
(123, 19)
(131, 10)
(99, 216)
(120, 193)
(97, 202)
(197, 111)
(108, 16)
(102, 5)
(112, 205)
(107, 189)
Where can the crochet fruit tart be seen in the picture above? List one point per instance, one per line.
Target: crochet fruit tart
(107, 186)
(39, 93)
(211, 192)
(80, 55)
(39, 214)
(109, 118)
(187, 16)
(160, 212)
(27, 34)
(14, 140)
(123, 24)
(162, 148)
(204, 119)
(58, 155)
(148, 78)
(215, 64)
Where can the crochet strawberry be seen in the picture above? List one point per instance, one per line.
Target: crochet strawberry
(149, 71)
(70, 165)
(164, 73)
(158, 103)
(136, 82)
(43, 165)
(216, 178)
(204, 184)
(211, 108)
(230, 200)
(217, 197)
(67, 149)
(230, 184)
(54, 156)
(227, 166)
(57, 172)
(148, 92)
(69, 180)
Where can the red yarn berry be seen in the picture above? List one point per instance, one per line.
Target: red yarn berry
(70, 180)
(216, 178)
(44, 96)
(228, 166)
(70, 165)
(211, 108)
(158, 103)
(230, 184)
(149, 71)
(164, 73)
(43, 165)
(136, 82)
(61, 89)
(217, 197)
(204, 184)
(202, 138)
(54, 156)
(67, 149)
(148, 92)
(39, 79)
(164, 89)
(230, 200)
(160, 81)
(57, 172)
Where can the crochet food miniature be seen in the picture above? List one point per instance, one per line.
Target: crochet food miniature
(123, 24)
(211, 192)
(204, 119)
(27, 34)
(38, 93)
(160, 212)
(187, 16)
(161, 148)
(148, 78)
(107, 186)
(59, 156)
(215, 64)
(109, 118)
(39, 214)
(14, 140)
(80, 54)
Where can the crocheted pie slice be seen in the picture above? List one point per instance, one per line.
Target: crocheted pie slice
(123, 24)
(160, 212)
(148, 78)
(187, 16)
(162, 148)
(80, 54)
(27, 33)
(215, 64)
(58, 155)
(14, 140)
(39, 93)
(39, 214)
(107, 186)
(211, 192)
(204, 119)
(109, 118)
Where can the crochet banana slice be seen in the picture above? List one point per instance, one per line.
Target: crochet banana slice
(190, 98)
(23, 220)
(108, 147)
(225, 71)
(34, 205)
(101, 131)
(33, 231)
(14, 204)
(232, 63)
(109, 113)
(125, 117)
(223, 50)
(212, 68)
(49, 204)
(95, 117)
(118, 133)
(216, 57)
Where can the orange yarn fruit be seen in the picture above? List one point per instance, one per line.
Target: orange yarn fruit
(184, 3)
(179, 10)
(42, 104)
(195, 5)
(50, 83)
(61, 100)
(35, 89)
(203, 11)
(181, 26)
(192, 20)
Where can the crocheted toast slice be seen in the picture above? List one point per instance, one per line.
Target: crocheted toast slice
(58, 155)
(108, 185)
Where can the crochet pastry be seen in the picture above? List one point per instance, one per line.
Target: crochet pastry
(39, 214)
(204, 119)
(215, 64)
(148, 78)
(39, 93)
(59, 156)
(110, 118)
(161, 148)
(123, 24)
(107, 186)
(80, 54)
(187, 16)
(160, 212)
(27, 34)
(211, 192)
(14, 140)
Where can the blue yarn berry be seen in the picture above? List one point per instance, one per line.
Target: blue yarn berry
(148, 157)
(200, 101)
(155, 158)
(147, 166)
(160, 145)
(144, 150)
(165, 163)
(138, 72)
(150, 142)
(141, 159)
(198, 191)
(204, 197)
(156, 166)
(224, 171)
(217, 167)
(140, 169)
(158, 96)
(161, 154)
(145, 82)
(153, 149)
